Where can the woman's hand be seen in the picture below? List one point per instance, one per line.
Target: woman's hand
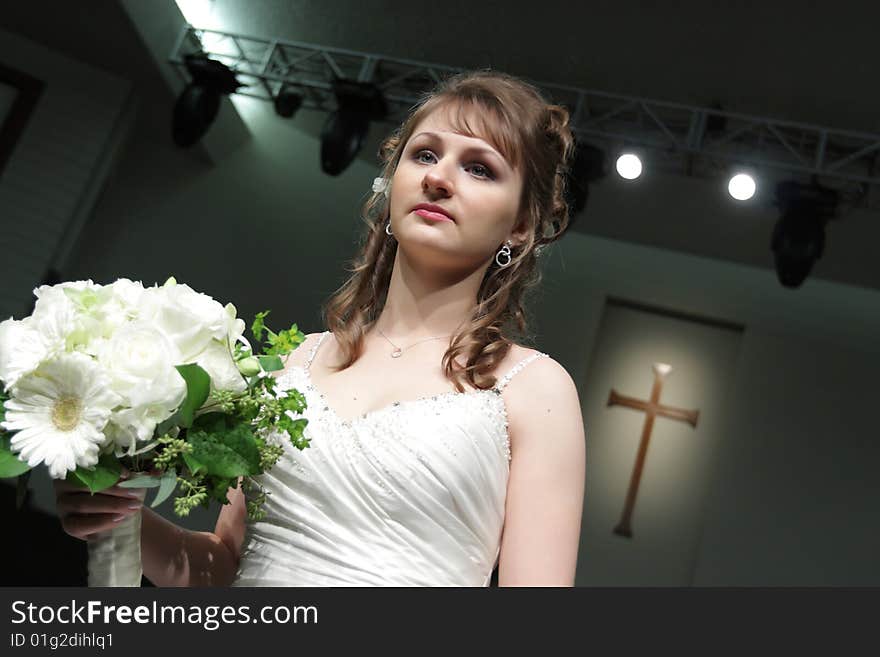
(83, 514)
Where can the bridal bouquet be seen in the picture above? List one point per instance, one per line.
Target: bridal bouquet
(158, 380)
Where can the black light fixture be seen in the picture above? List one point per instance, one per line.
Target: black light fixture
(716, 124)
(196, 107)
(588, 164)
(344, 130)
(799, 235)
(287, 102)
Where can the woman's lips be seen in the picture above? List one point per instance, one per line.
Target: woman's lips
(433, 216)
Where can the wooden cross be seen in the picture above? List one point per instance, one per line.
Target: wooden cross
(652, 409)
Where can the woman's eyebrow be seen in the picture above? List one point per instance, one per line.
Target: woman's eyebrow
(473, 149)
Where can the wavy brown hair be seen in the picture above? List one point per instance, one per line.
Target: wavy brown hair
(534, 136)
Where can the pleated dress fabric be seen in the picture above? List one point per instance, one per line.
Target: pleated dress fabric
(411, 494)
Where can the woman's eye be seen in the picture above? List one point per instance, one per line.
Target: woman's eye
(483, 171)
(486, 172)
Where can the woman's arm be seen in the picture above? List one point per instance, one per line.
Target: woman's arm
(545, 490)
(174, 556)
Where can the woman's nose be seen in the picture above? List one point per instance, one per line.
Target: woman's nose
(437, 180)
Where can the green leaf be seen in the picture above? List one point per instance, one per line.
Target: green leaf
(144, 481)
(103, 475)
(10, 464)
(195, 466)
(198, 386)
(164, 426)
(285, 341)
(230, 453)
(258, 326)
(167, 486)
(270, 363)
(218, 488)
(213, 422)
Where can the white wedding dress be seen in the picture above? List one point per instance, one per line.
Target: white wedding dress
(411, 494)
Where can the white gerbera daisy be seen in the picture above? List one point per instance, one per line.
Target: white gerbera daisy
(59, 412)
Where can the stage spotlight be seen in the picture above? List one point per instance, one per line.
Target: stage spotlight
(344, 130)
(741, 187)
(287, 102)
(196, 107)
(799, 235)
(588, 165)
(629, 166)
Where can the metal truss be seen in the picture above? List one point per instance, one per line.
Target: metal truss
(695, 141)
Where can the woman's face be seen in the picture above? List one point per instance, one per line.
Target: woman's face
(466, 177)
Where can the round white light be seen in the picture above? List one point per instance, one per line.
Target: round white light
(629, 166)
(741, 187)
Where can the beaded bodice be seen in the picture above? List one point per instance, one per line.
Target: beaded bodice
(411, 494)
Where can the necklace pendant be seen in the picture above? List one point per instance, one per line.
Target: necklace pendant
(396, 353)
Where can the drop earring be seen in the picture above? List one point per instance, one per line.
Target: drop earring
(504, 252)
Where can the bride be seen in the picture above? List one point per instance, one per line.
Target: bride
(440, 448)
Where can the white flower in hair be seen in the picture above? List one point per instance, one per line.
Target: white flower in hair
(380, 185)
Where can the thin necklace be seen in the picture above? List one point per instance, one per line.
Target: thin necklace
(398, 351)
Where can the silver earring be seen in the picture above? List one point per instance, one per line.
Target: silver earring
(504, 253)
(388, 229)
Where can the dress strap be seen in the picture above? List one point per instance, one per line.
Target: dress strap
(503, 381)
(315, 349)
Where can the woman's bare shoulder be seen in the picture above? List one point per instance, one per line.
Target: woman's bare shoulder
(538, 372)
(518, 353)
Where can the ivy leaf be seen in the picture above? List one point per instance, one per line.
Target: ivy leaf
(230, 453)
(270, 363)
(198, 386)
(103, 475)
(166, 487)
(218, 488)
(10, 464)
(214, 422)
(195, 466)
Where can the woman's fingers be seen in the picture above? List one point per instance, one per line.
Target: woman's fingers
(83, 526)
(80, 503)
(124, 492)
(83, 513)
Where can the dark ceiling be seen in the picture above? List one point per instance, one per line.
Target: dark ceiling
(804, 61)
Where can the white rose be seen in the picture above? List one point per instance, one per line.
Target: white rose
(78, 315)
(78, 286)
(56, 318)
(122, 305)
(130, 426)
(217, 362)
(235, 327)
(22, 349)
(128, 294)
(188, 318)
(140, 361)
